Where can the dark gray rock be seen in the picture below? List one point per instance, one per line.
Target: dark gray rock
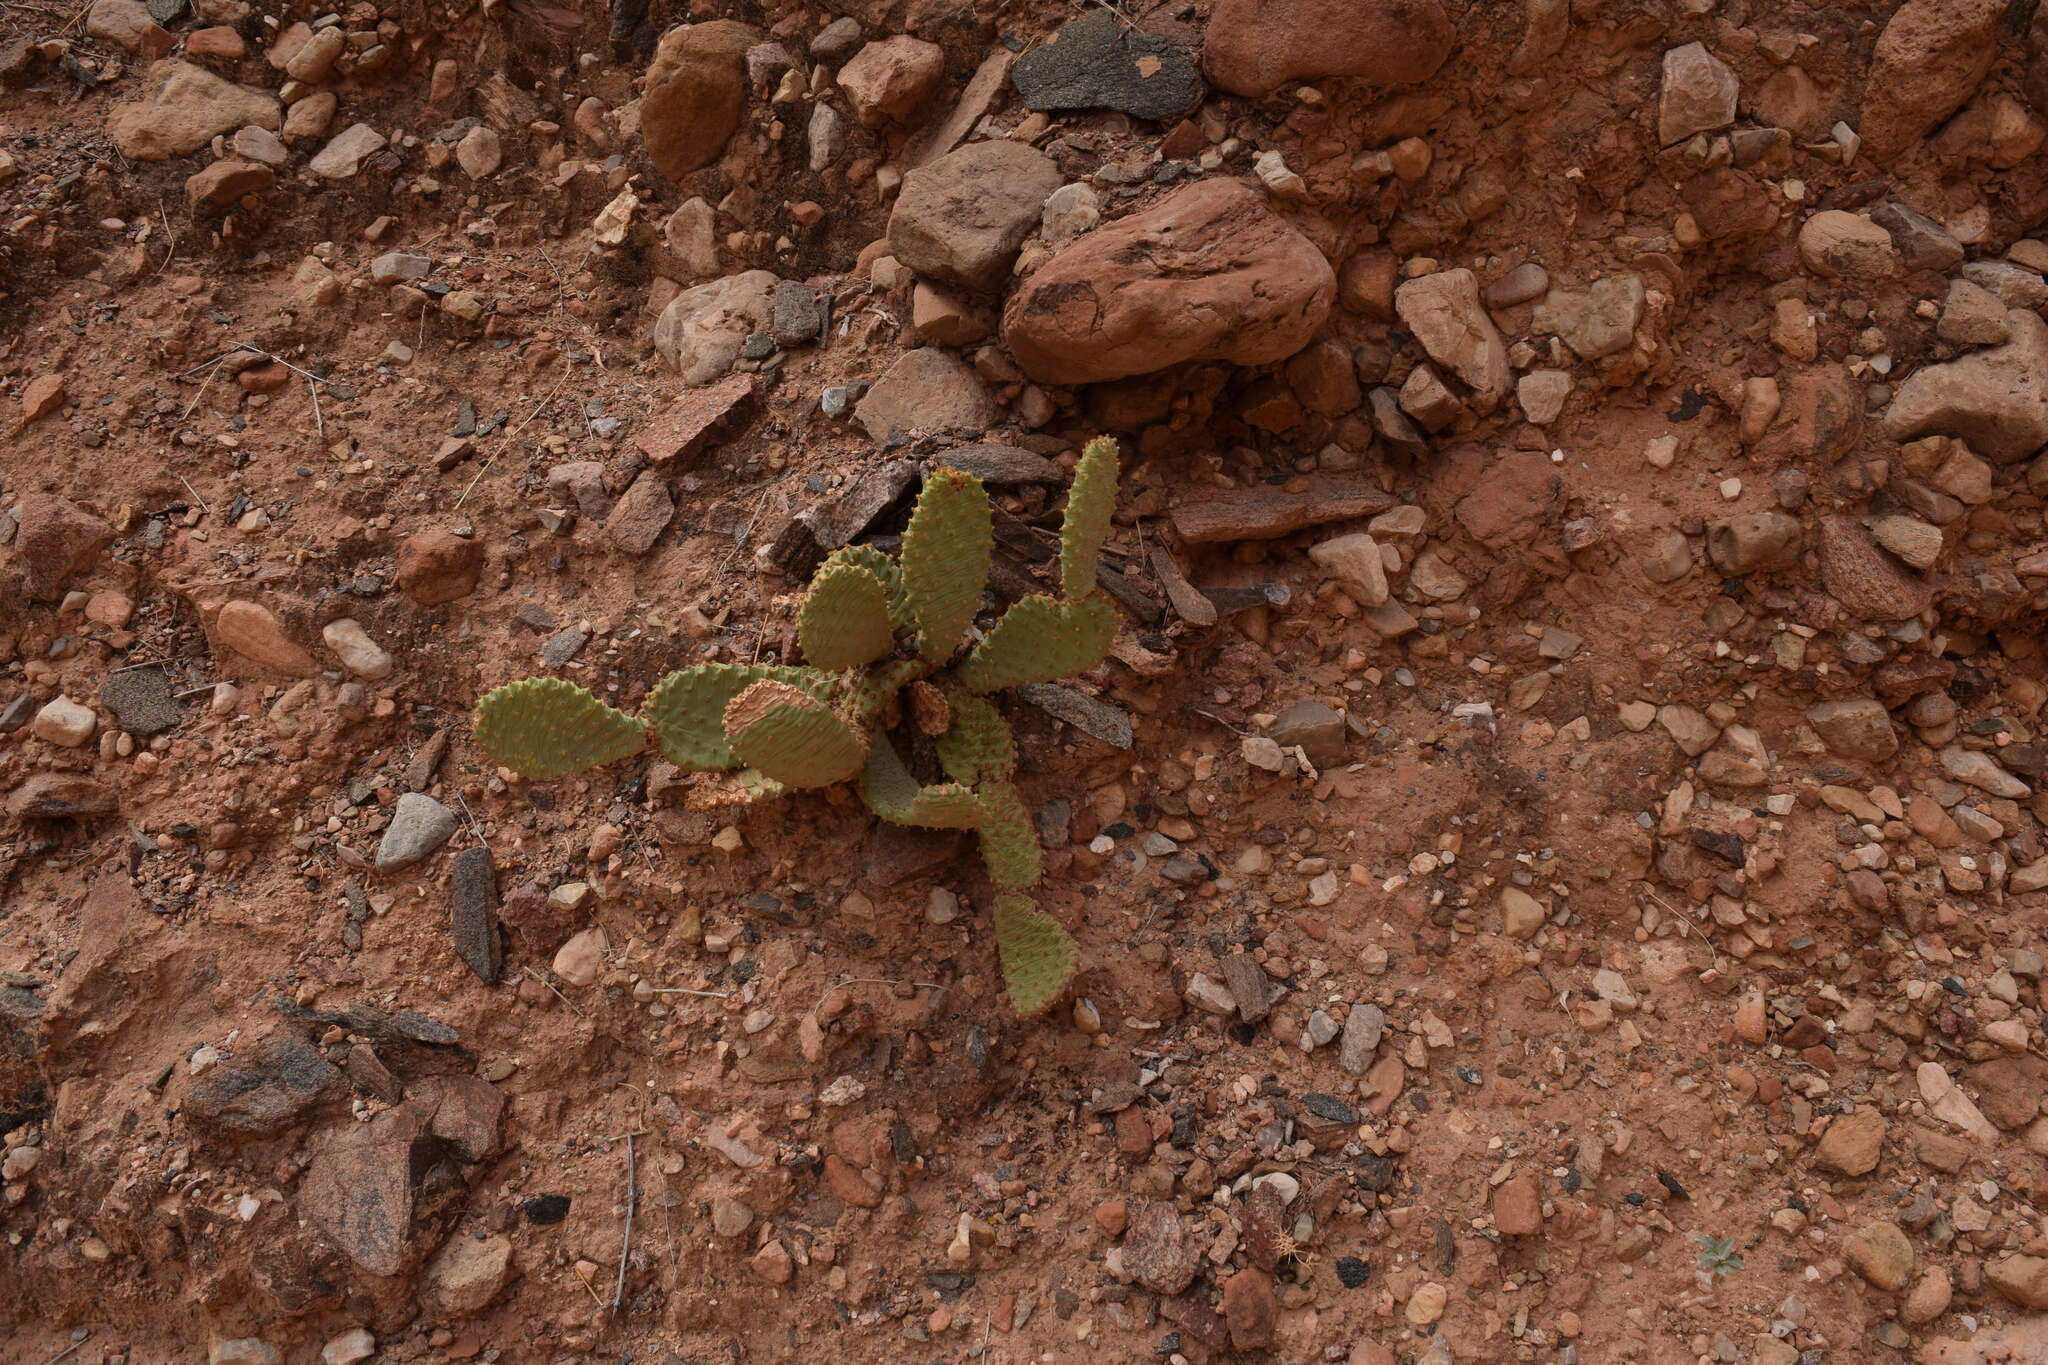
(1362, 1033)
(1091, 716)
(1001, 464)
(1096, 63)
(477, 941)
(265, 1092)
(838, 40)
(1922, 243)
(167, 12)
(563, 646)
(796, 317)
(1317, 728)
(141, 698)
(15, 713)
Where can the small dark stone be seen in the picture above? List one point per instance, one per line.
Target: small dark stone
(1723, 845)
(759, 346)
(465, 420)
(1573, 1180)
(269, 1090)
(1634, 1199)
(1095, 62)
(949, 1282)
(141, 698)
(166, 12)
(1330, 1108)
(1671, 1185)
(1352, 1272)
(545, 1210)
(476, 914)
(564, 646)
(15, 713)
(1469, 1076)
(796, 319)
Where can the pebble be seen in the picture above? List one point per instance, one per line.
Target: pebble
(358, 653)
(419, 826)
(64, 722)
(581, 957)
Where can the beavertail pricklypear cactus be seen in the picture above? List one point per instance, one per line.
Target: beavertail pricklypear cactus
(877, 633)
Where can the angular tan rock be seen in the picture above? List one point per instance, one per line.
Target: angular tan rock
(1994, 399)
(1852, 1144)
(1208, 273)
(927, 390)
(701, 330)
(253, 631)
(1857, 727)
(2023, 1279)
(182, 108)
(961, 219)
(1881, 1254)
(1444, 314)
(891, 80)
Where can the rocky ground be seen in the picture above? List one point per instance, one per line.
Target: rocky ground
(1556, 845)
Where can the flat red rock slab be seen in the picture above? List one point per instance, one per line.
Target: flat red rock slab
(682, 428)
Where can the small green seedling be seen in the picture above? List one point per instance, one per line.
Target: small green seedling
(1719, 1256)
(874, 630)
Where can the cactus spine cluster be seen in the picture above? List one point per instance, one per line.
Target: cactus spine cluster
(877, 632)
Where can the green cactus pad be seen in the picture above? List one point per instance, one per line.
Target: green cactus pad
(892, 793)
(542, 728)
(881, 566)
(1039, 640)
(979, 747)
(687, 709)
(1038, 955)
(793, 737)
(1009, 845)
(1091, 498)
(844, 622)
(945, 560)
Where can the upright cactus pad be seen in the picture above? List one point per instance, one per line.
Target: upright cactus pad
(792, 737)
(881, 566)
(1039, 640)
(1009, 845)
(979, 747)
(945, 560)
(844, 622)
(687, 710)
(1036, 952)
(1091, 498)
(544, 728)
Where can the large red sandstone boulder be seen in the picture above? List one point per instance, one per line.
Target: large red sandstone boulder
(1207, 273)
(1254, 47)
